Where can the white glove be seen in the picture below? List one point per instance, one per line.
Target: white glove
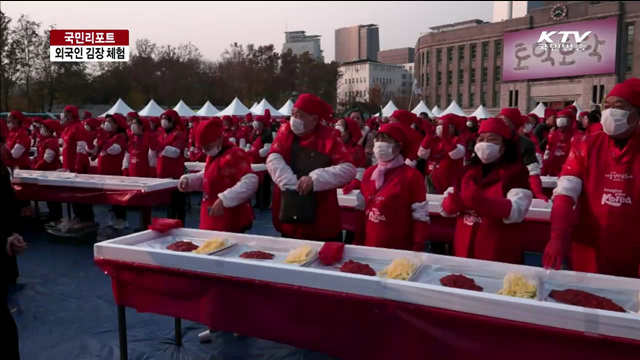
(115, 149)
(243, 143)
(171, 152)
(247, 148)
(95, 142)
(233, 140)
(125, 161)
(153, 158)
(60, 142)
(263, 152)
(81, 147)
(186, 153)
(192, 149)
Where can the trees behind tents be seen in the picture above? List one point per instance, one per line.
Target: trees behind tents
(166, 73)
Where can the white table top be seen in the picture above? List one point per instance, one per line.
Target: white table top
(199, 166)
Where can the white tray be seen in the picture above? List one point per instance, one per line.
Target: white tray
(280, 254)
(162, 243)
(544, 313)
(199, 166)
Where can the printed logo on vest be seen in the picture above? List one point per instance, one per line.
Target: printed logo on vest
(470, 219)
(559, 153)
(376, 216)
(614, 197)
(614, 176)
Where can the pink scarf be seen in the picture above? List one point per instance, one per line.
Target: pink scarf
(383, 167)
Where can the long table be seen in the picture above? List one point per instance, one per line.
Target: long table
(199, 166)
(352, 316)
(534, 235)
(31, 185)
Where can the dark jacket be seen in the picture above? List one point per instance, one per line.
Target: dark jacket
(9, 220)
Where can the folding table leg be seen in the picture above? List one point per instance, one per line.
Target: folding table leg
(122, 332)
(178, 331)
(145, 217)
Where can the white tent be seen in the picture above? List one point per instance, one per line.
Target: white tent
(119, 107)
(236, 108)
(436, 111)
(183, 110)
(481, 113)
(253, 106)
(453, 109)
(285, 110)
(422, 107)
(208, 110)
(152, 109)
(264, 105)
(539, 110)
(389, 109)
(575, 103)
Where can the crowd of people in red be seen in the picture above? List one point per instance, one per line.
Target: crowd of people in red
(488, 171)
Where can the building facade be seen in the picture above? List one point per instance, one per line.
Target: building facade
(361, 42)
(299, 43)
(363, 79)
(396, 56)
(468, 62)
(505, 10)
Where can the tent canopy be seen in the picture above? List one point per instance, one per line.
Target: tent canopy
(119, 107)
(183, 110)
(389, 109)
(539, 110)
(208, 110)
(422, 108)
(285, 110)
(481, 113)
(436, 111)
(152, 109)
(236, 108)
(253, 106)
(264, 105)
(453, 109)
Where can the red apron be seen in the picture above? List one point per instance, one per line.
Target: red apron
(138, 149)
(112, 164)
(170, 168)
(48, 143)
(20, 136)
(559, 147)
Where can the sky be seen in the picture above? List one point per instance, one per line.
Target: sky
(213, 26)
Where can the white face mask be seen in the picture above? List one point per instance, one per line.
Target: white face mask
(44, 131)
(297, 126)
(166, 124)
(213, 152)
(413, 126)
(87, 127)
(383, 151)
(341, 129)
(562, 122)
(256, 125)
(107, 127)
(528, 128)
(135, 128)
(439, 131)
(487, 152)
(614, 121)
(63, 118)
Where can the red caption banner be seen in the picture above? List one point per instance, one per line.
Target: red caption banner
(89, 37)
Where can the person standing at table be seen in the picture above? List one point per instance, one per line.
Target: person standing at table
(74, 141)
(408, 120)
(227, 182)
(18, 140)
(543, 130)
(47, 156)
(530, 122)
(141, 155)
(491, 198)
(590, 122)
(393, 195)
(172, 142)
(154, 125)
(351, 134)
(367, 135)
(559, 145)
(596, 206)
(308, 162)
(260, 143)
(191, 143)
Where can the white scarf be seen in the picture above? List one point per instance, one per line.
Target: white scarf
(383, 167)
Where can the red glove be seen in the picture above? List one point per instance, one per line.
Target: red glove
(353, 185)
(536, 187)
(557, 248)
(163, 225)
(331, 253)
(474, 199)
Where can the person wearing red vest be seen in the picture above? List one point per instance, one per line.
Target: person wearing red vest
(195, 152)
(35, 135)
(191, 142)
(74, 141)
(154, 125)
(408, 120)
(171, 144)
(367, 134)
(559, 144)
(258, 149)
(444, 152)
(86, 115)
(530, 122)
(491, 198)
(543, 130)
(514, 120)
(227, 182)
(18, 141)
(393, 195)
(596, 205)
(48, 155)
(302, 138)
(141, 156)
(590, 122)
(351, 136)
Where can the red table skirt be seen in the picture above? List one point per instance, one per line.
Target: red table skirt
(534, 236)
(33, 192)
(345, 325)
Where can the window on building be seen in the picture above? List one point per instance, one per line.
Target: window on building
(404, 76)
(482, 98)
(472, 97)
(449, 98)
(484, 74)
(496, 99)
(439, 78)
(449, 54)
(422, 57)
(460, 76)
(514, 101)
(498, 48)
(497, 74)
(594, 94)
(629, 62)
(422, 80)
(438, 100)
(428, 56)
(449, 77)
(472, 77)
(473, 51)
(461, 52)
(601, 97)
(428, 79)
(510, 98)
(485, 49)
(438, 56)
(631, 30)
(459, 98)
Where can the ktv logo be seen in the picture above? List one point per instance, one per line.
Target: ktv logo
(547, 42)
